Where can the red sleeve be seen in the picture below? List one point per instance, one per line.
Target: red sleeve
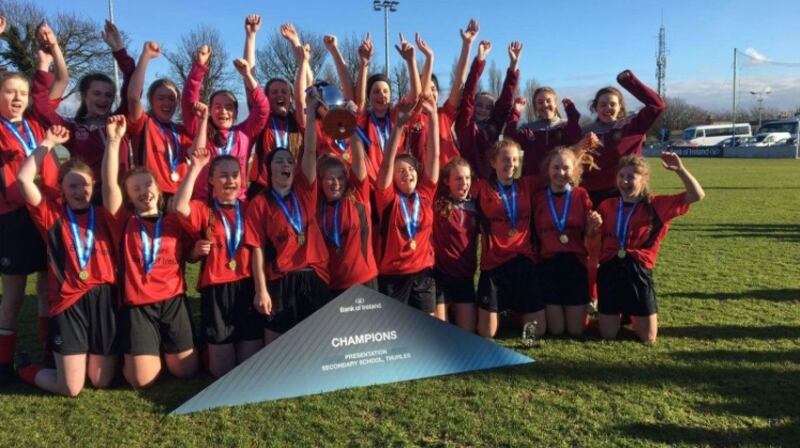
(670, 207)
(653, 104)
(43, 109)
(384, 198)
(258, 114)
(503, 104)
(587, 201)
(117, 223)
(449, 111)
(573, 131)
(197, 220)
(426, 188)
(191, 94)
(511, 131)
(136, 128)
(467, 109)
(44, 215)
(254, 235)
(361, 188)
(127, 66)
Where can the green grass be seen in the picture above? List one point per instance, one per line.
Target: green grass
(725, 370)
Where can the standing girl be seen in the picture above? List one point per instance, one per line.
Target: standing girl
(455, 244)
(632, 229)
(153, 247)
(508, 278)
(82, 282)
(405, 206)
(159, 144)
(229, 323)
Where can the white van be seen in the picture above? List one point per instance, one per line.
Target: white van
(711, 134)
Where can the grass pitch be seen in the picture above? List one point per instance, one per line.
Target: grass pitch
(724, 372)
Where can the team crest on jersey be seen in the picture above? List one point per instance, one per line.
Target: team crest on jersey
(58, 340)
(81, 133)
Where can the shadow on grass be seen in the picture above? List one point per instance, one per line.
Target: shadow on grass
(169, 392)
(776, 295)
(749, 356)
(712, 333)
(780, 232)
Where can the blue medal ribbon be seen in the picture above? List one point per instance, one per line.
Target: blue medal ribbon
(335, 236)
(412, 221)
(232, 239)
(560, 222)
(295, 218)
(509, 205)
(364, 137)
(383, 131)
(342, 145)
(28, 145)
(150, 248)
(172, 149)
(623, 223)
(226, 151)
(83, 250)
(280, 142)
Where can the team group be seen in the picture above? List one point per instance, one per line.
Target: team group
(282, 216)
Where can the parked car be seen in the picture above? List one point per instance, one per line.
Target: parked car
(771, 138)
(740, 141)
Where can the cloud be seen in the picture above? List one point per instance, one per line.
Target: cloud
(756, 57)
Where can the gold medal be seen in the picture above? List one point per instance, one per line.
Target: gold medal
(83, 275)
(232, 265)
(512, 232)
(413, 244)
(621, 253)
(564, 239)
(301, 238)
(346, 156)
(174, 176)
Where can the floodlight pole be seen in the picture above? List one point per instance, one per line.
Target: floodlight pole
(733, 117)
(387, 6)
(760, 95)
(116, 67)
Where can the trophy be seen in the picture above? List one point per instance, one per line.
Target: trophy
(338, 121)
(529, 334)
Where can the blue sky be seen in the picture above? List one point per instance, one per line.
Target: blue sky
(575, 46)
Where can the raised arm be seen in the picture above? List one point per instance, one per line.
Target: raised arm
(502, 107)
(193, 86)
(258, 112)
(358, 164)
(406, 51)
(427, 69)
(113, 38)
(341, 66)
(511, 129)
(48, 40)
(466, 112)
(150, 51)
(252, 24)
(468, 36)
(573, 129)
(432, 154)
(364, 56)
(112, 194)
(199, 155)
(302, 54)
(42, 107)
(406, 108)
(309, 161)
(694, 191)
(654, 105)
(56, 135)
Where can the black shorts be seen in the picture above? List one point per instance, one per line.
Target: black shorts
(417, 289)
(564, 280)
(149, 329)
(227, 314)
(451, 289)
(371, 284)
(88, 326)
(625, 287)
(598, 196)
(295, 296)
(22, 250)
(513, 285)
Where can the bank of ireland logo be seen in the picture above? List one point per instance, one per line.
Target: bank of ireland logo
(360, 301)
(58, 340)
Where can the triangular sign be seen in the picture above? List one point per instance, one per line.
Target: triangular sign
(361, 338)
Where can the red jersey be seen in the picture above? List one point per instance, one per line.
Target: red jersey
(205, 222)
(455, 238)
(549, 238)
(65, 285)
(286, 250)
(377, 130)
(278, 132)
(418, 136)
(501, 241)
(624, 137)
(353, 262)
(400, 254)
(165, 279)
(13, 154)
(647, 229)
(152, 141)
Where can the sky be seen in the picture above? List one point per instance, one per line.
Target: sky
(574, 46)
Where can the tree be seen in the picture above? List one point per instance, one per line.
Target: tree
(78, 37)
(276, 58)
(219, 73)
(530, 87)
(349, 49)
(399, 77)
(679, 115)
(495, 80)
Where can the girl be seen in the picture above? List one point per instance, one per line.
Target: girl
(283, 129)
(480, 120)
(159, 144)
(405, 207)
(97, 92)
(289, 258)
(22, 250)
(632, 227)
(455, 244)
(83, 296)
(549, 131)
(561, 216)
(225, 136)
(508, 276)
(229, 324)
(447, 113)
(155, 318)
